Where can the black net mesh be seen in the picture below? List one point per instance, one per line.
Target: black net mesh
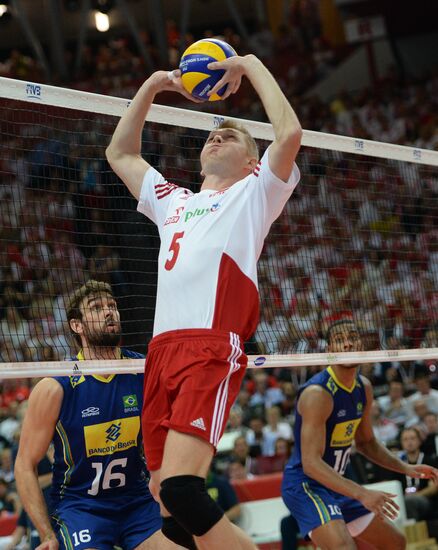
(358, 238)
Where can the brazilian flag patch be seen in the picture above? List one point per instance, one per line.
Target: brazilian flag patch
(130, 401)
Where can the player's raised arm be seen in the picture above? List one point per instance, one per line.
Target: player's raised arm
(287, 128)
(124, 150)
(36, 435)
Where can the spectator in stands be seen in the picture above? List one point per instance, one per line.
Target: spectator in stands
(9, 502)
(241, 453)
(264, 395)
(421, 495)
(260, 442)
(235, 421)
(222, 492)
(416, 420)
(274, 429)
(385, 430)
(429, 445)
(236, 471)
(14, 328)
(393, 405)
(424, 392)
(6, 466)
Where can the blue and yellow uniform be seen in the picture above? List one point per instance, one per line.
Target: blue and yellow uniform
(100, 494)
(311, 503)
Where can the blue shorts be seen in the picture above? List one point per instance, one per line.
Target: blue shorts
(313, 505)
(79, 525)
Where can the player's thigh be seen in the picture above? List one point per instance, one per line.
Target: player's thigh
(185, 454)
(382, 534)
(311, 504)
(333, 536)
(77, 529)
(139, 522)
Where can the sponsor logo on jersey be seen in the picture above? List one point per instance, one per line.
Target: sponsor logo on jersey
(331, 385)
(77, 377)
(217, 193)
(90, 411)
(359, 408)
(344, 432)
(176, 217)
(199, 423)
(190, 214)
(130, 403)
(111, 437)
(341, 413)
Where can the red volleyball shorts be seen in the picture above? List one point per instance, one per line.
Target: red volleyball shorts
(192, 378)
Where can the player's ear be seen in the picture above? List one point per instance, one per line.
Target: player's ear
(252, 162)
(76, 326)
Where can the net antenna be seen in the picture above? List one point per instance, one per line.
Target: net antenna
(356, 239)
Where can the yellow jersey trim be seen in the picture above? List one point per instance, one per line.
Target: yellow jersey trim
(340, 384)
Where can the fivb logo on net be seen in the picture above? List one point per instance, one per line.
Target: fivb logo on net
(33, 91)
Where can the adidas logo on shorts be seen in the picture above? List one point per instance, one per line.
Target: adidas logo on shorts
(198, 423)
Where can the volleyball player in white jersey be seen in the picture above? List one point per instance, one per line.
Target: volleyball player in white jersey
(207, 298)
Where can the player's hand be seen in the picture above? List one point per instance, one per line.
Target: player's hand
(50, 542)
(234, 68)
(170, 81)
(381, 503)
(422, 471)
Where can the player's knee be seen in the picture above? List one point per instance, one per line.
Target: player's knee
(177, 534)
(187, 500)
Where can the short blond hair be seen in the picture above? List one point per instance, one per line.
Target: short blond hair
(251, 144)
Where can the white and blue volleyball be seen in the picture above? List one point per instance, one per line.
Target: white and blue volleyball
(196, 77)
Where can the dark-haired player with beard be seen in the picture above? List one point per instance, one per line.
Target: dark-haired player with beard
(333, 411)
(100, 496)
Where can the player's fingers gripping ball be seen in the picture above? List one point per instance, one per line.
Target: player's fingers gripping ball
(196, 77)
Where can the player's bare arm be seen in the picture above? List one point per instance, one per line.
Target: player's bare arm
(36, 435)
(287, 129)
(124, 150)
(369, 446)
(315, 406)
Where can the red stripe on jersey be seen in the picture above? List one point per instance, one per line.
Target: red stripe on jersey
(163, 194)
(164, 189)
(236, 307)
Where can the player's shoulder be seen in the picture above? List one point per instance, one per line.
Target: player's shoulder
(162, 187)
(365, 382)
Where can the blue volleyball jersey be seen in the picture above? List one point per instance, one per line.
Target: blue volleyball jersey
(341, 426)
(97, 440)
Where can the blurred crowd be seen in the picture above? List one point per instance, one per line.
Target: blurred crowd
(359, 237)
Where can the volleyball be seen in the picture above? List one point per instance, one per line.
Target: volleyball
(196, 77)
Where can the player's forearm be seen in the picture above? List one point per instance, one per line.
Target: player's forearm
(379, 454)
(320, 471)
(280, 113)
(126, 139)
(32, 499)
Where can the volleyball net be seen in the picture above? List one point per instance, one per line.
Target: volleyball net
(357, 239)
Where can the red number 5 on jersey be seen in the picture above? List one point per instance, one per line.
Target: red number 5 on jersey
(174, 248)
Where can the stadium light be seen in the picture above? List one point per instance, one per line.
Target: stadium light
(102, 21)
(3, 9)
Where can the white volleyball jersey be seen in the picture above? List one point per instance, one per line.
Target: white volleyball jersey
(210, 244)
